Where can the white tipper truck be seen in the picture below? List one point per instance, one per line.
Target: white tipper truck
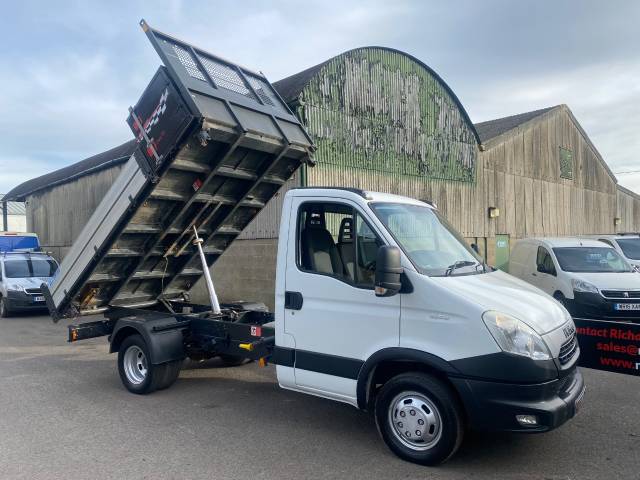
(379, 302)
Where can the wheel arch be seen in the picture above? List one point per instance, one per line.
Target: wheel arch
(164, 346)
(389, 362)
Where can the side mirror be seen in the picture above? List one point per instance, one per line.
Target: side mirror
(474, 247)
(388, 271)
(541, 268)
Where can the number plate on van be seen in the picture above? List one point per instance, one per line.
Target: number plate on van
(38, 299)
(627, 306)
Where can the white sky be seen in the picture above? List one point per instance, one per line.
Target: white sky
(70, 70)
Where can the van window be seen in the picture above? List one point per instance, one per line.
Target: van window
(590, 259)
(23, 268)
(335, 240)
(544, 258)
(630, 247)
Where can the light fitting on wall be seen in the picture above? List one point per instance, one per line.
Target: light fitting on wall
(617, 221)
(494, 212)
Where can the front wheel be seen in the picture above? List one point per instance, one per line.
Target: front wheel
(419, 418)
(4, 310)
(138, 374)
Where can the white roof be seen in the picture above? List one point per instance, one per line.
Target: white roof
(355, 194)
(614, 236)
(558, 242)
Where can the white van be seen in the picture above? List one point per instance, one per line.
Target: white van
(590, 278)
(626, 244)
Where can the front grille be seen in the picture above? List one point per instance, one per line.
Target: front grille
(33, 291)
(568, 350)
(621, 293)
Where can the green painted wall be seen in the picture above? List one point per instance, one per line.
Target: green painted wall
(378, 111)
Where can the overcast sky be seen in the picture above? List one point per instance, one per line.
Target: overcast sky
(69, 70)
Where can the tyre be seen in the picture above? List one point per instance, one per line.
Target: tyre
(171, 372)
(4, 310)
(232, 360)
(419, 418)
(138, 374)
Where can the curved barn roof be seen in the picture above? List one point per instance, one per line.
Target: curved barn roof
(95, 163)
(291, 87)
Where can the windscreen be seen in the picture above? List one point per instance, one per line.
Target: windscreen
(630, 247)
(26, 268)
(590, 259)
(18, 242)
(430, 242)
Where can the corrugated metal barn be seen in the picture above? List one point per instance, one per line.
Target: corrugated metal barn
(383, 120)
(13, 215)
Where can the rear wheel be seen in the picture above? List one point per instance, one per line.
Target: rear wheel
(138, 374)
(419, 418)
(4, 310)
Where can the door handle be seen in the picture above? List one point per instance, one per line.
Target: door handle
(534, 274)
(293, 300)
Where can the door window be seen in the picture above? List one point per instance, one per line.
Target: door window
(367, 244)
(335, 240)
(544, 259)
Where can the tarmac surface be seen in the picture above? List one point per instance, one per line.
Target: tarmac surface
(64, 414)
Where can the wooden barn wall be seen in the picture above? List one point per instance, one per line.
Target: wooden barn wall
(267, 223)
(383, 122)
(522, 178)
(628, 211)
(58, 214)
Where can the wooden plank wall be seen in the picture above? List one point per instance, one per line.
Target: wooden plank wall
(519, 173)
(628, 211)
(522, 179)
(58, 214)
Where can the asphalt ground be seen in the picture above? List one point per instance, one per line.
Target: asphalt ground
(64, 414)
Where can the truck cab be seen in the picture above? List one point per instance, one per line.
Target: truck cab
(457, 341)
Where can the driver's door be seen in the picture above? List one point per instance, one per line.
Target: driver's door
(340, 321)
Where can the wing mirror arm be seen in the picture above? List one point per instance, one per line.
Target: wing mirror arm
(388, 271)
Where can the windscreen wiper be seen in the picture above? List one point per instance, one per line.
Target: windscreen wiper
(458, 264)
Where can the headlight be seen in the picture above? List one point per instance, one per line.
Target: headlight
(515, 336)
(15, 288)
(582, 286)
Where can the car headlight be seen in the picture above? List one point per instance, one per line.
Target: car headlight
(515, 336)
(582, 286)
(15, 288)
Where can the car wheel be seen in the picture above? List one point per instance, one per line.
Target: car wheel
(419, 418)
(136, 371)
(4, 310)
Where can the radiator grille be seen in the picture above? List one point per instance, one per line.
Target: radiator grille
(621, 293)
(568, 349)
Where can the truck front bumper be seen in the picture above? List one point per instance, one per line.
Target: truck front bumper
(495, 406)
